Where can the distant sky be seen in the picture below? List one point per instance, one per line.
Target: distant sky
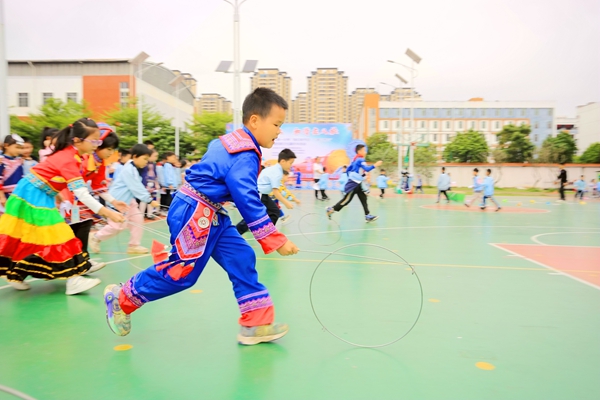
(495, 49)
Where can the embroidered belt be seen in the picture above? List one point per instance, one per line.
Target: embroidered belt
(188, 190)
(40, 184)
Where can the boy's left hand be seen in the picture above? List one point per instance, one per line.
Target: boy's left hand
(120, 205)
(297, 201)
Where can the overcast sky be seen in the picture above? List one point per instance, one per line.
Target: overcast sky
(495, 49)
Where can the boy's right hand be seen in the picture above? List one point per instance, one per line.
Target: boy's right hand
(288, 249)
(378, 163)
(112, 215)
(288, 205)
(155, 204)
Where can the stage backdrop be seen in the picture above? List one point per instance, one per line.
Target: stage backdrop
(331, 142)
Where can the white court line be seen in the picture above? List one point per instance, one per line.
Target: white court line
(534, 239)
(559, 272)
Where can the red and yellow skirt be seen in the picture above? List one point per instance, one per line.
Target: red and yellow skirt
(35, 240)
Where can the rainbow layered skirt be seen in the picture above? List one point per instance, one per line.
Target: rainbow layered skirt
(35, 240)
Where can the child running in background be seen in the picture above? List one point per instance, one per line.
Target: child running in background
(169, 178)
(382, 182)
(343, 179)
(580, 186)
(593, 189)
(488, 190)
(150, 181)
(32, 226)
(124, 157)
(269, 182)
(324, 183)
(46, 145)
(477, 189)
(443, 185)
(356, 175)
(11, 167)
(200, 228)
(128, 187)
(419, 185)
(27, 155)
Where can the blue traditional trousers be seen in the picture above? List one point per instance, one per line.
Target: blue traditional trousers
(199, 230)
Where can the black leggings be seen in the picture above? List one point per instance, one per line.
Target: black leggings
(272, 210)
(165, 199)
(348, 198)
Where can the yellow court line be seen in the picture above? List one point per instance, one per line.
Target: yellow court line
(419, 265)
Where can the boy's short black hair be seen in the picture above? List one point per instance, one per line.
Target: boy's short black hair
(260, 102)
(167, 154)
(475, 169)
(148, 142)
(443, 169)
(358, 147)
(124, 152)
(382, 170)
(285, 155)
(324, 169)
(139, 150)
(489, 170)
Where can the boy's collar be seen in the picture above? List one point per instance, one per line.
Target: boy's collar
(253, 138)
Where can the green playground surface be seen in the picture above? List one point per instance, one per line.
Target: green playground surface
(510, 310)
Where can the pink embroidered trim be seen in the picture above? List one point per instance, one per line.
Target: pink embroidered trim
(256, 304)
(131, 295)
(263, 232)
(263, 219)
(255, 294)
(237, 141)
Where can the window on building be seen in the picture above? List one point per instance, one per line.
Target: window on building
(23, 99)
(435, 112)
(45, 97)
(510, 112)
(483, 112)
(483, 125)
(535, 137)
(522, 112)
(435, 124)
(385, 125)
(447, 124)
(537, 112)
(497, 112)
(550, 112)
(448, 112)
(497, 125)
(460, 124)
(124, 93)
(472, 125)
(549, 125)
(435, 138)
(537, 125)
(447, 137)
(72, 96)
(422, 138)
(422, 124)
(459, 112)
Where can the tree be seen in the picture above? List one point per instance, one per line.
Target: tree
(467, 146)
(425, 160)
(381, 149)
(156, 128)
(591, 155)
(561, 148)
(205, 128)
(514, 142)
(55, 113)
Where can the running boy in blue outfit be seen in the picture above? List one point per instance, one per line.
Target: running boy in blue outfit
(477, 189)
(200, 228)
(356, 175)
(580, 186)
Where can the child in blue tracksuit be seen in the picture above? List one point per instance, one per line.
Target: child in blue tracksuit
(488, 190)
(169, 178)
(323, 183)
(580, 186)
(419, 185)
(477, 189)
(382, 182)
(343, 179)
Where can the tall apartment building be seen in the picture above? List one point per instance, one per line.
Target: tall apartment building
(327, 96)
(212, 103)
(299, 109)
(355, 104)
(399, 94)
(273, 79)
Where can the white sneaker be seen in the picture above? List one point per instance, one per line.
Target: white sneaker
(96, 266)
(19, 285)
(94, 243)
(137, 250)
(79, 284)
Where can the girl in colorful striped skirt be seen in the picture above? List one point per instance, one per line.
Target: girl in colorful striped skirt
(32, 226)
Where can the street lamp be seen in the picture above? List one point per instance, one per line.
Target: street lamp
(415, 59)
(249, 66)
(400, 141)
(139, 61)
(175, 82)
